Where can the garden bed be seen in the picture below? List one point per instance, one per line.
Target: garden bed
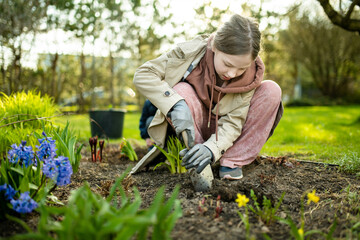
(339, 196)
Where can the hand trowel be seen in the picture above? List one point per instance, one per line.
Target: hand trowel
(202, 182)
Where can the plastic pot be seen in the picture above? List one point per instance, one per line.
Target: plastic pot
(107, 123)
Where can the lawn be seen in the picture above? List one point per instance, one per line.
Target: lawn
(309, 133)
(81, 125)
(317, 133)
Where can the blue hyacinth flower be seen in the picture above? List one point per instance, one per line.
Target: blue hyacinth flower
(47, 148)
(25, 204)
(22, 153)
(49, 168)
(59, 169)
(9, 191)
(64, 170)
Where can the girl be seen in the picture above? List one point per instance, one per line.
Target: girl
(211, 91)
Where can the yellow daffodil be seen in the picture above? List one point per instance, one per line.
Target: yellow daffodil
(312, 197)
(242, 200)
(301, 232)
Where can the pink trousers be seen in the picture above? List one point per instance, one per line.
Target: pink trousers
(264, 113)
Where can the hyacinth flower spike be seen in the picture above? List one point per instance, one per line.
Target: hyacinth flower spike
(47, 148)
(22, 153)
(25, 204)
(9, 191)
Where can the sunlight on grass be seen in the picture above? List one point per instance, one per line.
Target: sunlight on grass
(316, 133)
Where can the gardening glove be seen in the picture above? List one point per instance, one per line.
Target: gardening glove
(197, 157)
(183, 123)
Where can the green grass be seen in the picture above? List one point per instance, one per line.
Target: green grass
(81, 125)
(325, 134)
(316, 133)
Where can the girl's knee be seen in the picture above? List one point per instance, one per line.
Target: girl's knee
(272, 89)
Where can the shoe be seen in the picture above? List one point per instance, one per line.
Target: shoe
(230, 173)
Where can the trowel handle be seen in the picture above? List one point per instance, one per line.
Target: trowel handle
(185, 138)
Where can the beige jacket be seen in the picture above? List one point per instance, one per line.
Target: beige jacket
(155, 79)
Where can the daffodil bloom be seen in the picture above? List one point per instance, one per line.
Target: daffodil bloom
(312, 197)
(301, 232)
(242, 200)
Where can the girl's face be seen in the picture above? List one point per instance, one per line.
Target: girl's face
(230, 66)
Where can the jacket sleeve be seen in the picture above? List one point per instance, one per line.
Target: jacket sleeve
(149, 79)
(229, 129)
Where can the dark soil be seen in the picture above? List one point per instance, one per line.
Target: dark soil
(339, 197)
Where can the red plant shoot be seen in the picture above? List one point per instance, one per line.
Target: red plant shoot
(91, 142)
(218, 208)
(201, 205)
(95, 144)
(96, 154)
(101, 144)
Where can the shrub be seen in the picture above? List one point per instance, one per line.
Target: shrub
(22, 114)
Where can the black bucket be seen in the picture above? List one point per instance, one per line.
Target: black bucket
(107, 123)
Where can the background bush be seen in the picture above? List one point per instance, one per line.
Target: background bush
(22, 114)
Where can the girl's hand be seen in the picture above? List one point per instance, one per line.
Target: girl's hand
(182, 121)
(197, 157)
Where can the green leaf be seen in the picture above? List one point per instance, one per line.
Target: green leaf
(174, 146)
(127, 149)
(158, 200)
(117, 184)
(24, 185)
(63, 145)
(311, 232)
(163, 227)
(3, 170)
(33, 186)
(160, 164)
(71, 146)
(54, 199)
(18, 170)
(20, 222)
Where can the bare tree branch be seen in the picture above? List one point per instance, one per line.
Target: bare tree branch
(338, 19)
(351, 9)
(33, 119)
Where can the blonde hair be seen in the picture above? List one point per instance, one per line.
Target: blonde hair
(239, 36)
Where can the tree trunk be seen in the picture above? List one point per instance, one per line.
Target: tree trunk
(93, 82)
(54, 61)
(111, 80)
(59, 87)
(3, 77)
(121, 88)
(10, 83)
(16, 70)
(80, 87)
